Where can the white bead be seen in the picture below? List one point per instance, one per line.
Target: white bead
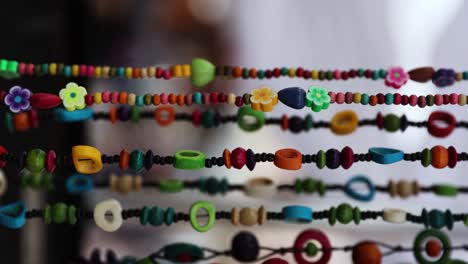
(3, 183)
(260, 187)
(393, 215)
(108, 206)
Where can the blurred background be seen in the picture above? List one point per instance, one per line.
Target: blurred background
(262, 34)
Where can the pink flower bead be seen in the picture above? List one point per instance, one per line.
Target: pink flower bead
(106, 96)
(196, 117)
(337, 74)
(30, 69)
(413, 100)
(114, 97)
(91, 71)
(83, 70)
(396, 77)
(453, 98)
(164, 98)
(340, 98)
(332, 97)
(22, 68)
(206, 98)
(438, 99)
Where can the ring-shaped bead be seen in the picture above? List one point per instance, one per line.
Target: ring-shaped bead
(108, 206)
(297, 214)
(304, 238)
(261, 187)
(288, 159)
(386, 155)
(164, 115)
(423, 238)
(244, 124)
(3, 183)
(275, 261)
(211, 211)
(189, 160)
(86, 159)
(79, 183)
(359, 196)
(344, 122)
(437, 131)
(13, 215)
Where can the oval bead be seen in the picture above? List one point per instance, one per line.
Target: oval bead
(189, 160)
(288, 159)
(422, 74)
(348, 189)
(344, 122)
(438, 116)
(333, 158)
(245, 247)
(79, 183)
(344, 213)
(35, 160)
(203, 72)
(13, 215)
(440, 157)
(386, 155)
(293, 97)
(247, 112)
(182, 252)
(211, 211)
(347, 157)
(391, 123)
(65, 116)
(366, 252)
(445, 190)
(137, 158)
(44, 101)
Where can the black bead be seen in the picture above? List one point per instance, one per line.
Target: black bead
(148, 159)
(250, 156)
(403, 123)
(333, 158)
(244, 247)
(296, 124)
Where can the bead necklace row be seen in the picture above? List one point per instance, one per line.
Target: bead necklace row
(429, 247)
(342, 123)
(201, 72)
(74, 97)
(88, 160)
(14, 215)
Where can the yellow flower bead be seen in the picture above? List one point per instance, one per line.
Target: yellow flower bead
(86, 159)
(131, 99)
(73, 96)
(53, 69)
(263, 99)
(97, 98)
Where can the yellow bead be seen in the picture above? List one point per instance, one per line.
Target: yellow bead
(97, 72)
(186, 70)
(344, 122)
(97, 98)
(75, 70)
(462, 99)
(176, 70)
(86, 159)
(357, 98)
(151, 71)
(53, 69)
(105, 71)
(292, 72)
(314, 74)
(131, 99)
(231, 98)
(128, 72)
(143, 73)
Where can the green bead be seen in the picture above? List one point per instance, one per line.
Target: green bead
(148, 99)
(173, 252)
(308, 122)
(419, 243)
(48, 181)
(156, 216)
(203, 72)
(284, 71)
(169, 216)
(145, 212)
(261, 74)
(246, 98)
(71, 215)
(245, 73)
(344, 213)
(465, 221)
(223, 186)
(45, 68)
(210, 185)
(189, 160)
(364, 99)
(436, 219)
(449, 219)
(35, 160)
(445, 190)
(9, 122)
(425, 217)
(426, 157)
(329, 75)
(375, 75)
(35, 180)
(310, 185)
(311, 249)
(360, 72)
(46, 215)
(332, 216)
(9, 70)
(357, 215)
(137, 160)
(59, 213)
(147, 260)
(465, 75)
(298, 186)
(135, 113)
(171, 185)
(207, 119)
(388, 99)
(430, 100)
(321, 159)
(391, 123)
(25, 178)
(382, 73)
(321, 188)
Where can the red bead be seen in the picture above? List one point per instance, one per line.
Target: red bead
(222, 97)
(159, 72)
(136, 73)
(196, 117)
(238, 158)
(352, 73)
(44, 101)
(275, 261)
(214, 98)
(453, 157)
(307, 74)
(299, 72)
(433, 248)
(268, 74)
(397, 99)
(404, 100)
(239, 101)
(344, 75)
(3, 151)
(380, 120)
(33, 118)
(3, 94)
(349, 97)
(380, 98)
(368, 73)
(50, 162)
(446, 99)
(276, 72)
(347, 157)
(89, 99)
(166, 74)
(441, 131)
(421, 101)
(366, 252)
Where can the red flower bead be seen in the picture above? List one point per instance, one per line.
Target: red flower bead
(238, 158)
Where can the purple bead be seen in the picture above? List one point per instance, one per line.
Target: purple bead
(123, 113)
(21, 160)
(250, 159)
(444, 77)
(333, 158)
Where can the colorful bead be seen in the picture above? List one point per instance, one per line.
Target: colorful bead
(202, 72)
(13, 215)
(238, 158)
(73, 96)
(189, 160)
(108, 206)
(386, 155)
(366, 253)
(307, 237)
(137, 160)
(263, 99)
(440, 157)
(344, 122)
(244, 112)
(86, 159)
(79, 183)
(297, 214)
(288, 159)
(348, 189)
(211, 211)
(293, 97)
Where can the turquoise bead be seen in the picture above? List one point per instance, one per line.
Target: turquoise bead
(67, 72)
(145, 211)
(156, 216)
(360, 72)
(465, 75)
(207, 119)
(260, 74)
(45, 68)
(197, 98)
(382, 73)
(386, 155)
(375, 75)
(388, 99)
(308, 122)
(13, 215)
(62, 115)
(436, 219)
(169, 216)
(137, 158)
(364, 99)
(120, 72)
(139, 100)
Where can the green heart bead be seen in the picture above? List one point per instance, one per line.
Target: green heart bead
(35, 160)
(203, 72)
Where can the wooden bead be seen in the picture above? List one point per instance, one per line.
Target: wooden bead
(231, 98)
(392, 188)
(124, 184)
(248, 216)
(124, 159)
(405, 189)
(235, 216)
(366, 252)
(113, 182)
(137, 183)
(262, 215)
(21, 121)
(433, 248)
(440, 157)
(393, 215)
(422, 75)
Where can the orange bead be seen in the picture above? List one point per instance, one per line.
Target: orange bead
(136, 73)
(156, 99)
(373, 100)
(113, 114)
(253, 73)
(288, 159)
(366, 252)
(284, 122)
(433, 248)
(123, 97)
(164, 115)
(124, 159)
(181, 99)
(237, 72)
(172, 98)
(440, 157)
(227, 158)
(21, 121)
